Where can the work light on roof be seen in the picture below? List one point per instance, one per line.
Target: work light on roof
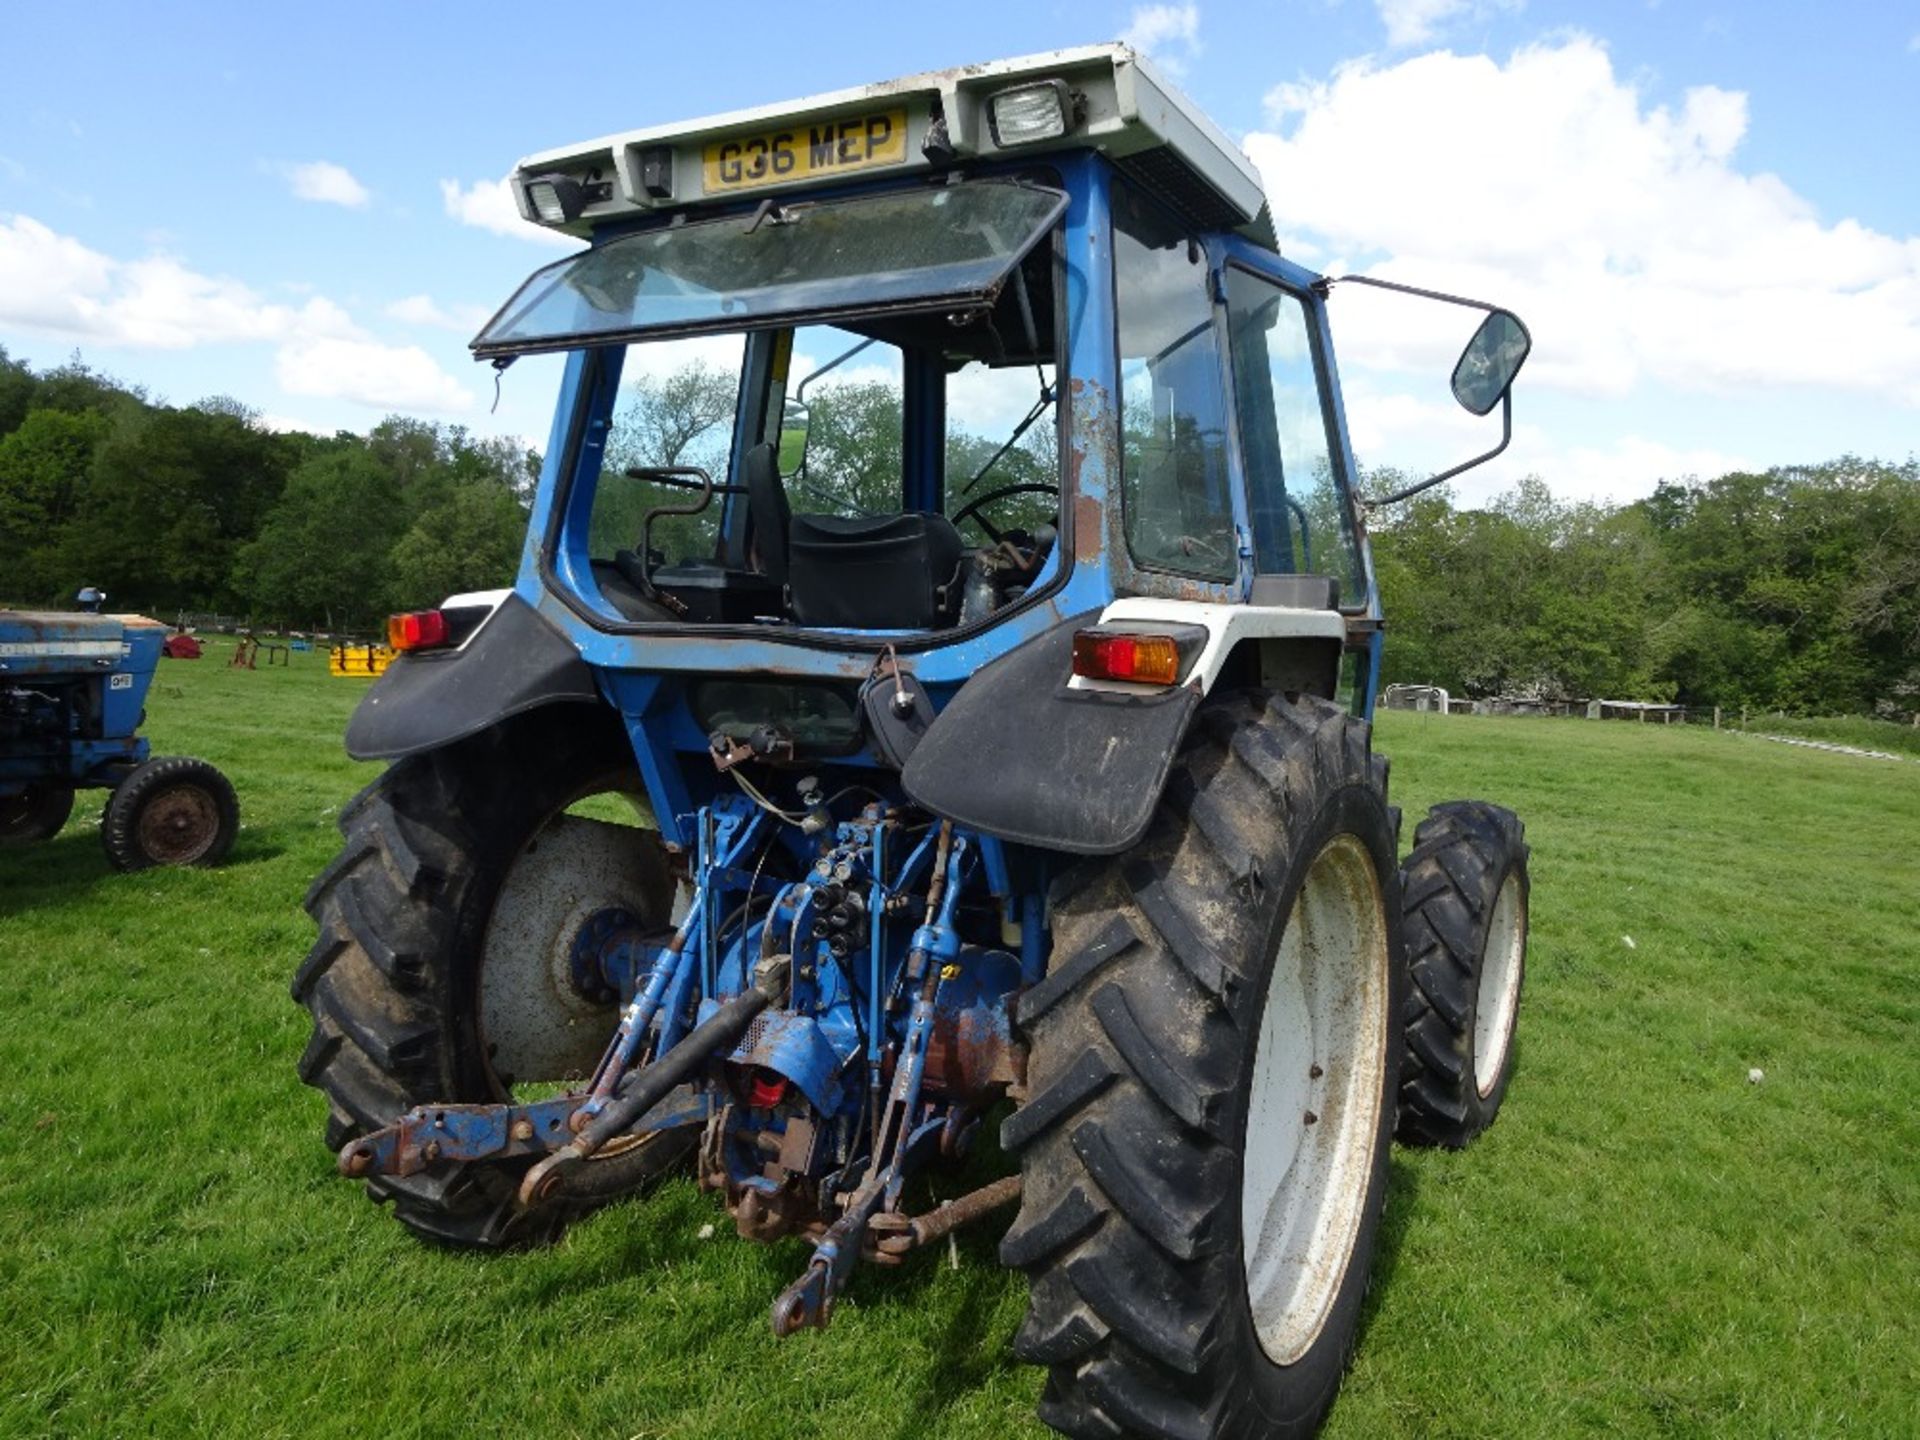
(1024, 114)
(556, 199)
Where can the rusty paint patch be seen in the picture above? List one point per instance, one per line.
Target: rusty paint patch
(1087, 526)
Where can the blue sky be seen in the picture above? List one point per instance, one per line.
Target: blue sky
(1707, 212)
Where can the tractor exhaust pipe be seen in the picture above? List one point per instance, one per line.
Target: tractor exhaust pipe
(640, 1090)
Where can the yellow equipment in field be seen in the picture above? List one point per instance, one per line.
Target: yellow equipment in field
(359, 661)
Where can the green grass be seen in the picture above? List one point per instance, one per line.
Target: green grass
(1646, 1244)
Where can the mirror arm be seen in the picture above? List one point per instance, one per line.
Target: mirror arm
(1325, 285)
(1506, 434)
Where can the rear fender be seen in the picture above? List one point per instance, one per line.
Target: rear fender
(1031, 753)
(514, 662)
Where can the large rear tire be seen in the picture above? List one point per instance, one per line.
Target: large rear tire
(442, 957)
(1465, 892)
(1213, 1063)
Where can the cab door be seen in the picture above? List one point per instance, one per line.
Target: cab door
(1296, 466)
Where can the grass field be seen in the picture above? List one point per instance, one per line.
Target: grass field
(1646, 1244)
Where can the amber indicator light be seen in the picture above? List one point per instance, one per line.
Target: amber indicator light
(1142, 659)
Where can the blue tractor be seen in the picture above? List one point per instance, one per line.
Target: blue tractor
(73, 687)
(934, 700)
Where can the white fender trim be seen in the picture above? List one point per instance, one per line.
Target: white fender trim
(1226, 626)
(492, 599)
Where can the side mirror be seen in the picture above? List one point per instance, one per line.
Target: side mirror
(1486, 368)
(793, 437)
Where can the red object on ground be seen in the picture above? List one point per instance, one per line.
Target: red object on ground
(180, 647)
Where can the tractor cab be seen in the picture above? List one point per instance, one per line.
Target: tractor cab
(965, 353)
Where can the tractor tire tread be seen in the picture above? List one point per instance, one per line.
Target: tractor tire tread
(1462, 852)
(377, 1047)
(1129, 1209)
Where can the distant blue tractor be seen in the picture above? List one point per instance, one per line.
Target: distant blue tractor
(72, 693)
(948, 543)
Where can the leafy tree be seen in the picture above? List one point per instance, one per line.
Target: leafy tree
(44, 464)
(853, 455)
(469, 539)
(73, 387)
(171, 497)
(321, 558)
(17, 391)
(684, 418)
(1033, 460)
(677, 419)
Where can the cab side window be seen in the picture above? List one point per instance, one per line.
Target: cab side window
(1174, 487)
(1296, 498)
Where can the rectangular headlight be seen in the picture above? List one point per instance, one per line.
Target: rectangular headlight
(1027, 113)
(556, 199)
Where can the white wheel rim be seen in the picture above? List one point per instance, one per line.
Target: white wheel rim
(1304, 1183)
(1500, 968)
(536, 1025)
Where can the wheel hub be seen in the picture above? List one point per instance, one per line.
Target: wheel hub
(575, 890)
(1313, 1109)
(1499, 997)
(178, 825)
(598, 938)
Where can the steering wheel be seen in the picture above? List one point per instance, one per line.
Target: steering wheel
(972, 506)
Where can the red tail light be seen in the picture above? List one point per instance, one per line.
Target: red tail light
(1144, 659)
(417, 630)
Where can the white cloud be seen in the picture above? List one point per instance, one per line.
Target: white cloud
(1629, 468)
(1626, 234)
(488, 205)
(53, 284)
(425, 310)
(47, 279)
(1423, 436)
(326, 182)
(1415, 22)
(718, 352)
(1157, 30)
(383, 377)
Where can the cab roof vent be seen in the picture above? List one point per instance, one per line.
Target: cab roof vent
(1169, 179)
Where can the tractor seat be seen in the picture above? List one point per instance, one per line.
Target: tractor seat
(873, 572)
(859, 572)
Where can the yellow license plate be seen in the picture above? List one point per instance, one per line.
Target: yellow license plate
(809, 151)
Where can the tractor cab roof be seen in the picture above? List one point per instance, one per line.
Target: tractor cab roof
(1105, 98)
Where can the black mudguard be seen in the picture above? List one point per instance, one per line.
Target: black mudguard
(515, 662)
(1018, 755)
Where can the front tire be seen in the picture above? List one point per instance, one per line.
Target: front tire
(1213, 1064)
(174, 810)
(440, 972)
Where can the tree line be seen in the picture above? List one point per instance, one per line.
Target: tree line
(202, 508)
(1796, 588)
